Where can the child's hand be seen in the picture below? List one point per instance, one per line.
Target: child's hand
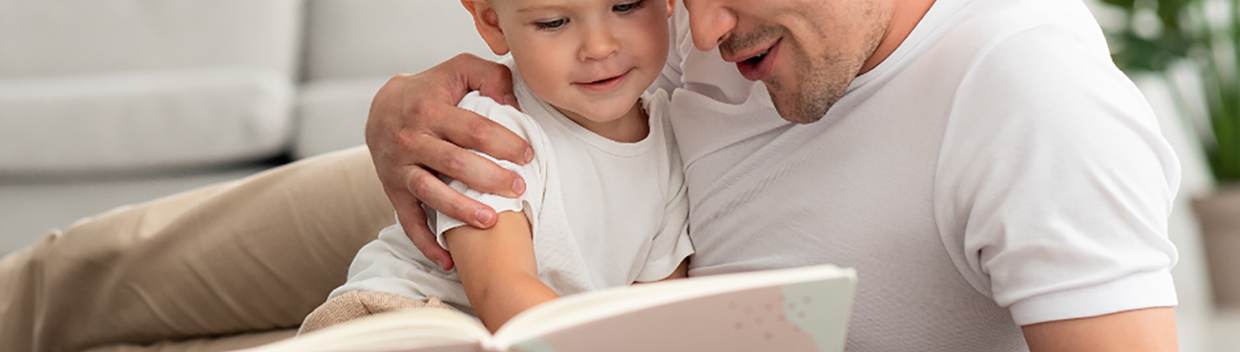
(415, 131)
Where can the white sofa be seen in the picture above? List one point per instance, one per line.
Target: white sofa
(354, 46)
(125, 86)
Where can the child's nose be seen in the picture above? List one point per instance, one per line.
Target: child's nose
(600, 43)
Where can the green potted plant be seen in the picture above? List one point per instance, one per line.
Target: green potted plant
(1153, 36)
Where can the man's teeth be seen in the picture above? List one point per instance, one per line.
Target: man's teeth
(760, 56)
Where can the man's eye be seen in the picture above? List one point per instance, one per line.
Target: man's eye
(628, 6)
(552, 24)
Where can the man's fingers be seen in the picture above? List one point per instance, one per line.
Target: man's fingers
(499, 87)
(413, 220)
(411, 129)
(489, 78)
(434, 193)
(489, 137)
(469, 130)
(466, 166)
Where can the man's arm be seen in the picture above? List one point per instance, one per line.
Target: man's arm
(497, 268)
(1151, 329)
(415, 130)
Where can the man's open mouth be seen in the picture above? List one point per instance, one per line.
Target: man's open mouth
(760, 65)
(756, 59)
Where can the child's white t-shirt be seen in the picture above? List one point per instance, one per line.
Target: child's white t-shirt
(603, 213)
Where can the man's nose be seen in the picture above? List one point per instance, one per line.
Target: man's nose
(710, 23)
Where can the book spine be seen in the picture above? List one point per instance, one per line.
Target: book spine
(489, 345)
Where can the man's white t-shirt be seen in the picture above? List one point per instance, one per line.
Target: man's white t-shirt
(603, 213)
(996, 170)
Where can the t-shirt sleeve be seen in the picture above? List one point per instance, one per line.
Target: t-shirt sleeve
(529, 202)
(1053, 197)
(671, 244)
(679, 43)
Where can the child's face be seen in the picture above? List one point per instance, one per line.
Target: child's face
(592, 58)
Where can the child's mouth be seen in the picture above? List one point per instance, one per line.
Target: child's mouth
(605, 80)
(606, 83)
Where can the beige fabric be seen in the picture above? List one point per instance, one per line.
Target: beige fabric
(205, 344)
(359, 304)
(253, 255)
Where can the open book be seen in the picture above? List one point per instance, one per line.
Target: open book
(800, 309)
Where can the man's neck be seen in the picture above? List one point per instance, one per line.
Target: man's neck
(908, 13)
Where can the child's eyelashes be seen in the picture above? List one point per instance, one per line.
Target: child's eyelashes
(622, 8)
(550, 24)
(628, 6)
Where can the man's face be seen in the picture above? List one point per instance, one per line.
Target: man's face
(805, 51)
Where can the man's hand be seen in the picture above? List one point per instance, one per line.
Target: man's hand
(415, 130)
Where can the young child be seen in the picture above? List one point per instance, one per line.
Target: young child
(605, 203)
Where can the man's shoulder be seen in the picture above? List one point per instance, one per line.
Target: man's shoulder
(987, 26)
(1031, 52)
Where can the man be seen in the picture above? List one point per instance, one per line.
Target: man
(996, 181)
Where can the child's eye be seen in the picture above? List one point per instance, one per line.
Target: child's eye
(628, 6)
(551, 24)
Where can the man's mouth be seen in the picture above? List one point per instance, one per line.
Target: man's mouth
(756, 59)
(758, 66)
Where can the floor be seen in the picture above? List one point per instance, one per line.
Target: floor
(30, 207)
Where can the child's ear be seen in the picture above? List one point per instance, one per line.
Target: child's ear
(671, 7)
(487, 22)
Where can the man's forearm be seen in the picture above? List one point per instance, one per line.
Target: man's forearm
(1151, 329)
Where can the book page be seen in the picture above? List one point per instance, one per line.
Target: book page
(803, 309)
(429, 330)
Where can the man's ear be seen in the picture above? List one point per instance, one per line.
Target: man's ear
(671, 7)
(487, 22)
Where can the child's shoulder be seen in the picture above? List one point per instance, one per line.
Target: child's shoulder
(520, 123)
(485, 106)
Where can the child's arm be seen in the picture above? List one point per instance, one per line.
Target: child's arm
(497, 268)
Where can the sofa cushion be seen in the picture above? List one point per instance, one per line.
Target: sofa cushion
(142, 120)
(351, 39)
(60, 37)
(119, 85)
(353, 47)
(332, 114)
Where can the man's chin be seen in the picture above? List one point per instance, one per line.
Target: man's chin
(799, 112)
